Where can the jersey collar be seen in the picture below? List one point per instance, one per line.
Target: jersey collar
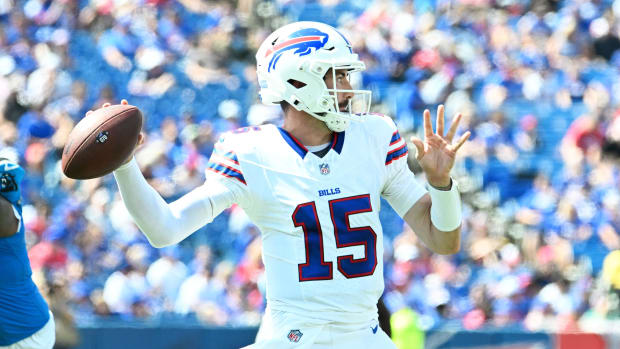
(338, 141)
(336, 145)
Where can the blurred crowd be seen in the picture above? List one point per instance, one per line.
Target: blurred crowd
(537, 83)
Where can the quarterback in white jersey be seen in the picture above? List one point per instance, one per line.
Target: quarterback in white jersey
(314, 188)
(319, 216)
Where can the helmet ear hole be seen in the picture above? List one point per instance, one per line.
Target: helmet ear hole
(296, 83)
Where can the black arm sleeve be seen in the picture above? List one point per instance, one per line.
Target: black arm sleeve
(384, 317)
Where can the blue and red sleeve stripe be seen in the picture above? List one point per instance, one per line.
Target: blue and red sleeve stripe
(396, 154)
(226, 171)
(398, 151)
(230, 155)
(395, 138)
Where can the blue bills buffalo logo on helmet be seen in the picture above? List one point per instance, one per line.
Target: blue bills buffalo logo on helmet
(302, 41)
(10, 176)
(294, 336)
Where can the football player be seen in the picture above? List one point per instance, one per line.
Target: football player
(25, 319)
(314, 188)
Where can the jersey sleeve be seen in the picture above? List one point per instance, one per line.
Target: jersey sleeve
(225, 171)
(401, 189)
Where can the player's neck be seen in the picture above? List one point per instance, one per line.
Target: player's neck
(307, 129)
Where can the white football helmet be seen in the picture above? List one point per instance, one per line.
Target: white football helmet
(304, 52)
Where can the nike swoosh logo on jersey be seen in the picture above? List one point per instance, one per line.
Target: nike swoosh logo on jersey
(374, 329)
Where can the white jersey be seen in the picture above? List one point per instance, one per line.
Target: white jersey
(319, 217)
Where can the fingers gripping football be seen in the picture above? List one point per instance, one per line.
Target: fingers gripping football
(140, 136)
(102, 141)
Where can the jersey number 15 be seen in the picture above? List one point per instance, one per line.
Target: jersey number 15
(315, 267)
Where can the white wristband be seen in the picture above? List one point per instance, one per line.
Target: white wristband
(445, 207)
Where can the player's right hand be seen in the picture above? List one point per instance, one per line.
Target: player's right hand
(140, 136)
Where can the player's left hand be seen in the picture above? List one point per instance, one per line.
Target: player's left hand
(436, 153)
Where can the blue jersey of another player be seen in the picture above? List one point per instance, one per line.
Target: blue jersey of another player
(22, 308)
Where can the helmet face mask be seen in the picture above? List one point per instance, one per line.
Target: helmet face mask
(292, 64)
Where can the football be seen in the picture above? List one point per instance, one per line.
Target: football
(101, 141)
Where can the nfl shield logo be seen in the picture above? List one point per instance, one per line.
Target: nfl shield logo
(294, 336)
(324, 169)
(102, 137)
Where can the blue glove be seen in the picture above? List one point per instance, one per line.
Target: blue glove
(11, 175)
